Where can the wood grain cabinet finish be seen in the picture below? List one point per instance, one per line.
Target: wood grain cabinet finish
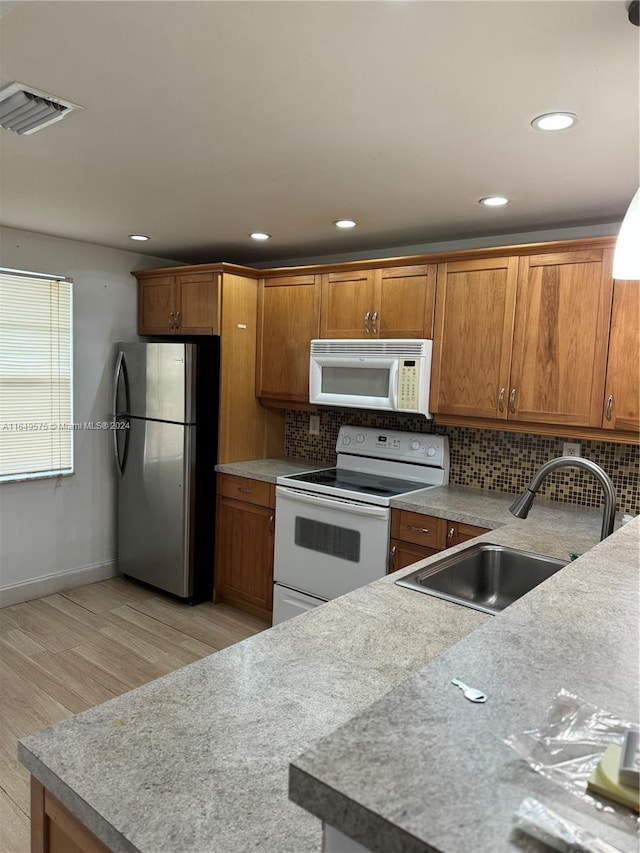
(244, 545)
(288, 320)
(560, 338)
(475, 305)
(415, 536)
(393, 302)
(622, 387)
(179, 304)
(524, 339)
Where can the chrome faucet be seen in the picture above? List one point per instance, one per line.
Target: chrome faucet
(521, 506)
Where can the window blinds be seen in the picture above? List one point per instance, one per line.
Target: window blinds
(36, 394)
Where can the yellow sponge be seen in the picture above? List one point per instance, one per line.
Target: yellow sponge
(604, 780)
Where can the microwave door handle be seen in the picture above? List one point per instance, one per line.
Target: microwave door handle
(333, 503)
(393, 385)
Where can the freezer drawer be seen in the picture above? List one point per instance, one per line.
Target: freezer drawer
(155, 506)
(288, 603)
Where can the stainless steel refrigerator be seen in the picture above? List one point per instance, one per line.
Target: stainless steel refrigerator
(165, 442)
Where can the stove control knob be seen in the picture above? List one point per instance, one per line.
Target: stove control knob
(415, 444)
(360, 437)
(346, 439)
(431, 451)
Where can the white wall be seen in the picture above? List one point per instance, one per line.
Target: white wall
(58, 532)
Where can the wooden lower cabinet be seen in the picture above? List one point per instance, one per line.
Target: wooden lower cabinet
(415, 536)
(245, 522)
(55, 830)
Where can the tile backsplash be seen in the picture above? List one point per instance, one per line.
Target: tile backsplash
(487, 459)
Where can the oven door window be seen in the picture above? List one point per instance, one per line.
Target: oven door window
(358, 381)
(328, 539)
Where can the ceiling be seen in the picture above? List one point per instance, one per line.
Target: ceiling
(204, 121)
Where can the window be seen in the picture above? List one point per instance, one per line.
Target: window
(36, 393)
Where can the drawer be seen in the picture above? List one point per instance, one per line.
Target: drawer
(469, 531)
(246, 489)
(420, 529)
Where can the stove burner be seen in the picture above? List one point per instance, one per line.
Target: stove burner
(356, 481)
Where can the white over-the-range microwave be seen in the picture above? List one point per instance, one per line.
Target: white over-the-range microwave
(387, 375)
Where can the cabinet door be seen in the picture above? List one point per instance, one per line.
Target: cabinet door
(560, 338)
(403, 554)
(288, 320)
(622, 389)
(472, 337)
(348, 303)
(244, 556)
(406, 302)
(197, 303)
(155, 305)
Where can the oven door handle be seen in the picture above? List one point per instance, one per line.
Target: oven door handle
(332, 503)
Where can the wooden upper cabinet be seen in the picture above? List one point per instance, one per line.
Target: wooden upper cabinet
(348, 300)
(406, 301)
(179, 303)
(288, 320)
(197, 307)
(156, 307)
(560, 339)
(622, 387)
(475, 304)
(393, 302)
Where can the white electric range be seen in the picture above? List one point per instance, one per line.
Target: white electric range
(332, 524)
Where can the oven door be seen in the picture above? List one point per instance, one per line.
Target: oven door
(327, 546)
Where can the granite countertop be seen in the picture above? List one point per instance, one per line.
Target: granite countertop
(450, 784)
(199, 759)
(268, 470)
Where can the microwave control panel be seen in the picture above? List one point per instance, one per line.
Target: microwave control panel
(408, 376)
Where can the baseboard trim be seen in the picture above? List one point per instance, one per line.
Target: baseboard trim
(50, 584)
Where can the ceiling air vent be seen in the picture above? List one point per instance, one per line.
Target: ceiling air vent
(25, 110)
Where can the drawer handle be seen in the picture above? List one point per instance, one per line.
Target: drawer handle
(417, 529)
(244, 490)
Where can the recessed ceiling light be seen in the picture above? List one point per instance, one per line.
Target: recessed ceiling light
(494, 201)
(260, 235)
(554, 121)
(140, 237)
(345, 223)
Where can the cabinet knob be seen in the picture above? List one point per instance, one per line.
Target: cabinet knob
(607, 411)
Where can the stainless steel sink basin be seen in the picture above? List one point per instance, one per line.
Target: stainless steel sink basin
(486, 577)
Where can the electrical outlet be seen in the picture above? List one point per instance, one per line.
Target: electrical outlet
(570, 448)
(314, 425)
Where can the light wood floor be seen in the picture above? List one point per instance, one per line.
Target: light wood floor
(67, 652)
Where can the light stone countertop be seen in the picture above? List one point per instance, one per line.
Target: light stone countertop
(450, 784)
(268, 470)
(199, 759)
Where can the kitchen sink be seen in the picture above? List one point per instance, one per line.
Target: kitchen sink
(486, 577)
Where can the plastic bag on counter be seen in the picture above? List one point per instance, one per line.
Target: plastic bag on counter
(568, 747)
(555, 831)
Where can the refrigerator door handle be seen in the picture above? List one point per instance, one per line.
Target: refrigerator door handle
(116, 379)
